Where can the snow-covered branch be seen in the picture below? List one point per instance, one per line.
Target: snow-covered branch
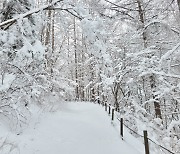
(11, 21)
(165, 56)
(167, 75)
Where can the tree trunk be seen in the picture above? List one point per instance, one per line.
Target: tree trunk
(53, 42)
(142, 20)
(47, 38)
(115, 91)
(76, 62)
(156, 102)
(178, 2)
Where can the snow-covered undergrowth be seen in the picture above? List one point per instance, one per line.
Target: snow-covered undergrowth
(69, 128)
(26, 75)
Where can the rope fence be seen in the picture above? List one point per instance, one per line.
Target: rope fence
(111, 112)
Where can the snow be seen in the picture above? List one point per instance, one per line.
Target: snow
(6, 81)
(39, 50)
(71, 128)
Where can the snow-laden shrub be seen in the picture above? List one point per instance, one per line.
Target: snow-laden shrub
(24, 78)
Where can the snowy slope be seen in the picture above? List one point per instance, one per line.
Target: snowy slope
(75, 128)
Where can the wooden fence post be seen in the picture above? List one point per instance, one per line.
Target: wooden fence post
(105, 106)
(112, 114)
(98, 101)
(102, 103)
(121, 127)
(109, 109)
(146, 142)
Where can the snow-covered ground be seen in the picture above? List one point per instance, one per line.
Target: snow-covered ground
(75, 128)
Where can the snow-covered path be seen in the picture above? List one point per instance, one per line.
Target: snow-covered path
(78, 128)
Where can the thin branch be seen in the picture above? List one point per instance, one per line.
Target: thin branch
(67, 10)
(118, 6)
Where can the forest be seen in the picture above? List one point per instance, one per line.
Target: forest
(122, 52)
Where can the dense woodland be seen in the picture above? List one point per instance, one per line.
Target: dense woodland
(123, 52)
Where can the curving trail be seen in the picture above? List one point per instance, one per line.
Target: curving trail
(77, 128)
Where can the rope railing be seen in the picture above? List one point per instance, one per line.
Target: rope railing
(130, 129)
(161, 146)
(111, 110)
(148, 139)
